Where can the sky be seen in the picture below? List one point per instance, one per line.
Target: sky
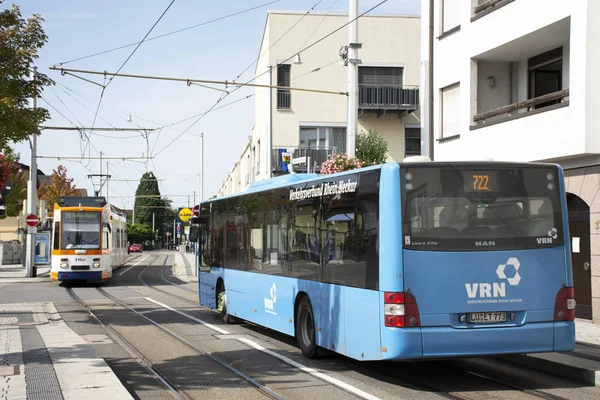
(218, 50)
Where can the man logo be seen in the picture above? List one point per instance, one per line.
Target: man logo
(496, 289)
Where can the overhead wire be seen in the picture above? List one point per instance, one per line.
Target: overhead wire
(268, 71)
(173, 32)
(277, 41)
(105, 85)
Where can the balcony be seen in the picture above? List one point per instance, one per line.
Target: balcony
(528, 107)
(317, 157)
(484, 7)
(385, 98)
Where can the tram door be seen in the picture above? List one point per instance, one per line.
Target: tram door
(579, 227)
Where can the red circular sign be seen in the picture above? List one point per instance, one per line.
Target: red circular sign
(196, 210)
(32, 220)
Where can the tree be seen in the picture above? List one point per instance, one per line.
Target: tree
(13, 185)
(148, 201)
(139, 233)
(371, 148)
(60, 185)
(20, 41)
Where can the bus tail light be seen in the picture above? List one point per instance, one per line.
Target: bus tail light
(564, 306)
(401, 310)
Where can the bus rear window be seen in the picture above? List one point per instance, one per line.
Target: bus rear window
(480, 208)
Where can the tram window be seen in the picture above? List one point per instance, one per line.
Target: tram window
(56, 242)
(105, 241)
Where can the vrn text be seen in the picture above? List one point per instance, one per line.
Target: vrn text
(486, 289)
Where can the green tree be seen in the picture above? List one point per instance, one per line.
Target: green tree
(371, 148)
(148, 201)
(60, 185)
(139, 233)
(20, 41)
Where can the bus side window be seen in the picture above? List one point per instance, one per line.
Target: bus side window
(56, 241)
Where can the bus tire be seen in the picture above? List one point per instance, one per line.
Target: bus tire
(222, 304)
(305, 329)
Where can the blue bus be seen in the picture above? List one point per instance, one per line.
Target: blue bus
(411, 260)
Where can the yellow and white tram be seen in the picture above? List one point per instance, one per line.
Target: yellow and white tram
(89, 239)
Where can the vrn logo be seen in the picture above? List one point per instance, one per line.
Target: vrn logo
(270, 302)
(495, 289)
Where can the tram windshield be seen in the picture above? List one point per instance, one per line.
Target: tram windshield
(80, 230)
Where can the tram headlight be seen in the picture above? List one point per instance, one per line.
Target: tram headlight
(96, 265)
(64, 265)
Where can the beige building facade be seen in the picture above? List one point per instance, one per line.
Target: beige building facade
(313, 125)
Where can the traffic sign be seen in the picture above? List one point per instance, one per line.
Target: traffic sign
(196, 210)
(185, 214)
(32, 220)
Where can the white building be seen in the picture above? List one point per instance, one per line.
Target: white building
(308, 124)
(516, 80)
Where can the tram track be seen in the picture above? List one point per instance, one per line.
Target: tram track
(129, 348)
(408, 381)
(415, 381)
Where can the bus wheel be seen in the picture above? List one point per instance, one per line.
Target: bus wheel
(305, 329)
(222, 305)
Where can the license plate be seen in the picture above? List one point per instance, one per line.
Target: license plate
(487, 317)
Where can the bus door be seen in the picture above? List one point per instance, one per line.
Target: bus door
(579, 227)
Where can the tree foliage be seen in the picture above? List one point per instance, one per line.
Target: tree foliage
(13, 184)
(60, 185)
(20, 41)
(139, 233)
(371, 148)
(148, 201)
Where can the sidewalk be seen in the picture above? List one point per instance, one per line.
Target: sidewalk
(41, 357)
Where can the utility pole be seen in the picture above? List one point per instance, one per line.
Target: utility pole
(202, 169)
(30, 270)
(270, 135)
(153, 232)
(100, 191)
(107, 182)
(353, 61)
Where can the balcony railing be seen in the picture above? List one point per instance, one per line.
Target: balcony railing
(317, 157)
(509, 110)
(388, 97)
(284, 99)
(484, 7)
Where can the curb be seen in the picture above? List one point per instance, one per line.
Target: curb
(559, 364)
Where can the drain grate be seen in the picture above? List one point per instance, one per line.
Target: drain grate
(40, 377)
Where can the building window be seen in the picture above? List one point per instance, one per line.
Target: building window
(412, 141)
(450, 14)
(284, 96)
(450, 123)
(325, 138)
(545, 75)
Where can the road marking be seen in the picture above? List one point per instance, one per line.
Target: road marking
(336, 382)
(211, 326)
(134, 265)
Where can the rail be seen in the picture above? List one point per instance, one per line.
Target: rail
(485, 5)
(560, 95)
(317, 157)
(284, 99)
(379, 97)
